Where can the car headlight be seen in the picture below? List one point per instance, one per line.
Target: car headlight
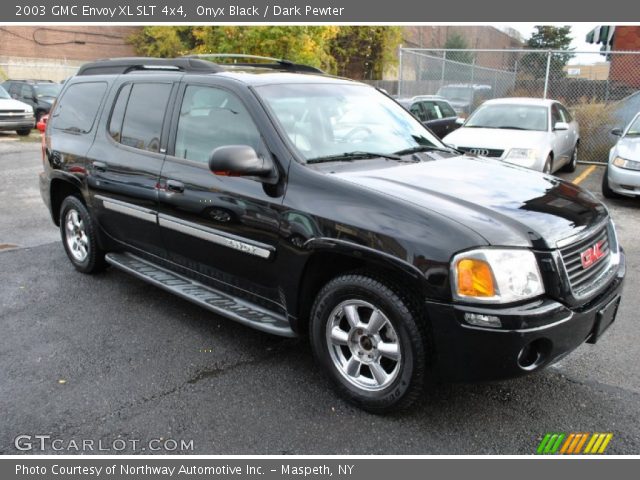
(527, 154)
(494, 275)
(628, 164)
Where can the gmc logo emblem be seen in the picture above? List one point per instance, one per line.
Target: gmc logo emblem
(592, 254)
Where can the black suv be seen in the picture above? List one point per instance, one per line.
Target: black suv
(299, 203)
(40, 94)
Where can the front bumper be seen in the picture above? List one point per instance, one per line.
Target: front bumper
(550, 329)
(17, 123)
(623, 180)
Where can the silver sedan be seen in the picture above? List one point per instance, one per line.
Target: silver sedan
(623, 170)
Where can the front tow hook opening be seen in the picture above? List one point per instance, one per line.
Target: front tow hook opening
(534, 354)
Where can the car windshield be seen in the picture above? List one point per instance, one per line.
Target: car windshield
(634, 128)
(333, 120)
(455, 93)
(3, 93)
(511, 116)
(47, 89)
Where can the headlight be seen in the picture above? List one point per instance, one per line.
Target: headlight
(527, 154)
(628, 164)
(491, 275)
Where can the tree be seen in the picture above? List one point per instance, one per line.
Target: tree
(457, 41)
(547, 37)
(360, 52)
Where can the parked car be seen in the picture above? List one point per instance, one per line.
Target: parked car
(434, 112)
(40, 94)
(465, 97)
(405, 262)
(622, 177)
(15, 115)
(533, 133)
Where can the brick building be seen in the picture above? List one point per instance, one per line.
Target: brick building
(625, 68)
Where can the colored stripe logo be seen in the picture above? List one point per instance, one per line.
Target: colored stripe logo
(574, 443)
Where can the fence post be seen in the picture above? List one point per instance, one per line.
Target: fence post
(473, 70)
(444, 65)
(546, 77)
(399, 70)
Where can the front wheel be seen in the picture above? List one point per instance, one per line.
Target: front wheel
(370, 341)
(548, 166)
(573, 163)
(606, 189)
(79, 236)
(23, 132)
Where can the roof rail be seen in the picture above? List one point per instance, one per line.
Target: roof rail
(129, 64)
(277, 63)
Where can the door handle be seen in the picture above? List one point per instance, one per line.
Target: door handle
(175, 186)
(100, 166)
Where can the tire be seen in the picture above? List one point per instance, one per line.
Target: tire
(548, 166)
(79, 239)
(23, 132)
(606, 189)
(398, 328)
(573, 163)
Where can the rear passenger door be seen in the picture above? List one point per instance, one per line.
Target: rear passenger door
(126, 160)
(226, 228)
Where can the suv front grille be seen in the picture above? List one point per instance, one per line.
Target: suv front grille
(485, 152)
(12, 114)
(581, 253)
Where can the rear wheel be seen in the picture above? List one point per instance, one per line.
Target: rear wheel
(606, 189)
(79, 236)
(368, 339)
(23, 132)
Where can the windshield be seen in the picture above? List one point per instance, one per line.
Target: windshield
(47, 89)
(3, 93)
(634, 128)
(510, 116)
(460, 94)
(325, 120)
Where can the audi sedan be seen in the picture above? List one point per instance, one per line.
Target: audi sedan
(623, 170)
(533, 133)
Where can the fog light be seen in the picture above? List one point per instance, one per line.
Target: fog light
(482, 320)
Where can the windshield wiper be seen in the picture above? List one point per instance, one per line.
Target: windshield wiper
(425, 148)
(507, 127)
(349, 156)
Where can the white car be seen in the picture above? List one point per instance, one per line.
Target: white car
(15, 115)
(533, 133)
(623, 170)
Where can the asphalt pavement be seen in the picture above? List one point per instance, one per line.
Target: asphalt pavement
(108, 357)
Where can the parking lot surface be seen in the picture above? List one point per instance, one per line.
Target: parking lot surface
(109, 357)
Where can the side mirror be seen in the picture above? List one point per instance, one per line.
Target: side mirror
(561, 126)
(240, 161)
(617, 132)
(459, 121)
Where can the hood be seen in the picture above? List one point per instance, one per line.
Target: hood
(495, 138)
(505, 204)
(47, 99)
(629, 148)
(11, 104)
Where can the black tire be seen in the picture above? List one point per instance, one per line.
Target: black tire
(93, 261)
(408, 381)
(606, 189)
(23, 132)
(548, 166)
(573, 163)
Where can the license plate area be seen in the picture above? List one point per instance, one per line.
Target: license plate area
(604, 318)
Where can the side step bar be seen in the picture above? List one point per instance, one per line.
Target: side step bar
(221, 303)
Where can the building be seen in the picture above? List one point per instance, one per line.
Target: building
(595, 71)
(624, 67)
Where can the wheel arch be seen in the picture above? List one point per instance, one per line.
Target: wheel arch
(60, 188)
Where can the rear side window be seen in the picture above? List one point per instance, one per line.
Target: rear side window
(77, 109)
(144, 115)
(446, 109)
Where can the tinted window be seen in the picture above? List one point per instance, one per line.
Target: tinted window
(432, 110)
(446, 109)
(117, 115)
(212, 118)
(416, 109)
(76, 112)
(144, 115)
(555, 114)
(26, 91)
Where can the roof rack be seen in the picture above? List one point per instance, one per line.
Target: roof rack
(276, 63)
(129, 64)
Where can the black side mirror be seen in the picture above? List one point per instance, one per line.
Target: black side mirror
(617, 132)
(241, 161)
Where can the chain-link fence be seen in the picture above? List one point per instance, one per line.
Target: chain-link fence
(601, 90)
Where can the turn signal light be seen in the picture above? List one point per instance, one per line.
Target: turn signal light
(475, 278)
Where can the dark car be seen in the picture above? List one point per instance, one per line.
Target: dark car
(40, 94)
(466, 97)
(434, 112)
(405, 262)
